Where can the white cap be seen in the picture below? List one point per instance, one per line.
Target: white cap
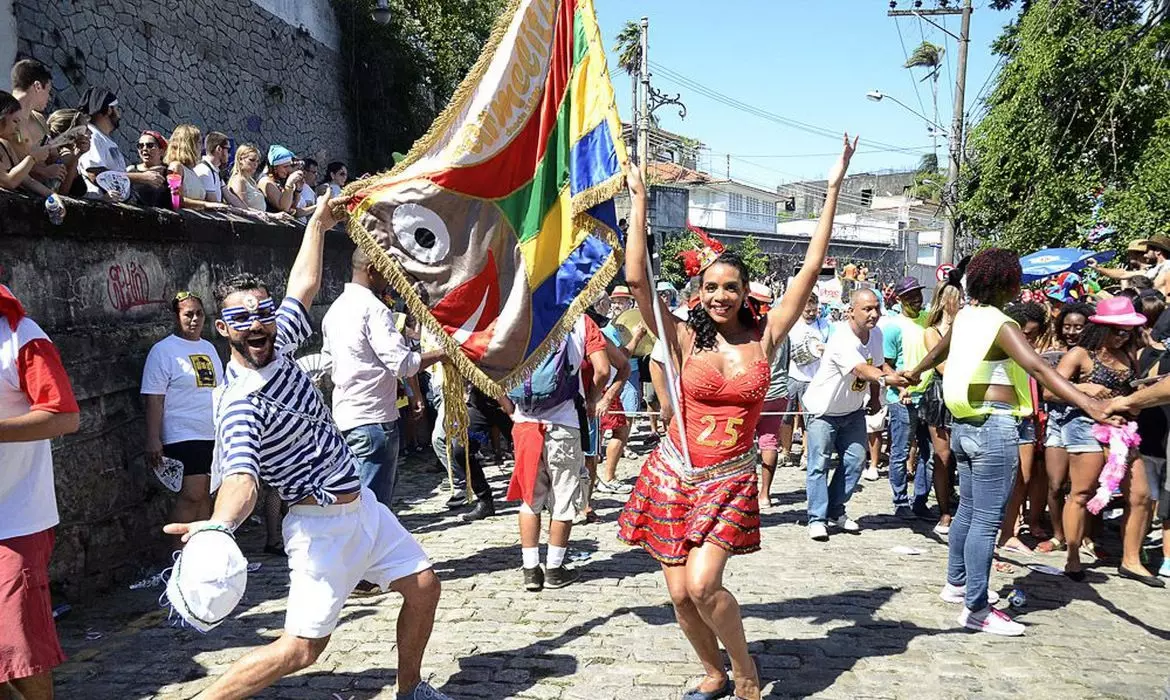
(208, 579)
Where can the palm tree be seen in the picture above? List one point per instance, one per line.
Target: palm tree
(929, 56)
(629, 52)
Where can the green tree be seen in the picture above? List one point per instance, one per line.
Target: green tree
(930, 57)
(400, 75)
(1079, 106)
(755, 259)
(671, 266)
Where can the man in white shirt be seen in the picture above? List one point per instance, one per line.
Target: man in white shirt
(807, 342)
(104, 116)
(307, 198)
(852, 369)
(217, 151)
(366, 357)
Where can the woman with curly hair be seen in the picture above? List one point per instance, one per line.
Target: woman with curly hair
(1103, 365)
(696, 501)
(986, 389)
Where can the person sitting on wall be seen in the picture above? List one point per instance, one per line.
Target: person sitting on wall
(60, 122)
(32, 84)
(147, 188)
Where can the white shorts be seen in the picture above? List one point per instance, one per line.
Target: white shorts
(878, 421)
(331, 549)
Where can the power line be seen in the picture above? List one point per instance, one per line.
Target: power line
(734, 103)
(909, 75)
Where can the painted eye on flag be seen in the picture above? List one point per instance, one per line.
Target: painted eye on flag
(421, 233)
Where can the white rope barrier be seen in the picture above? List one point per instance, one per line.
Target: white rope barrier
(658, 413)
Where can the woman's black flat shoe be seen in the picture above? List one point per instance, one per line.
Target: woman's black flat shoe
(1077, 576)
(696, 694)
(1151, 581)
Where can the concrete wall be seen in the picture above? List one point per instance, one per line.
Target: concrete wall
(225, 65)
(7, 42)
(100, 285)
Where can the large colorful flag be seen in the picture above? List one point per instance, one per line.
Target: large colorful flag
(499, 227)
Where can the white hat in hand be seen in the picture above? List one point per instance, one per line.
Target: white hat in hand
(208, 579)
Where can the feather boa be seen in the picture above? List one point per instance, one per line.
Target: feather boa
(1121, 441)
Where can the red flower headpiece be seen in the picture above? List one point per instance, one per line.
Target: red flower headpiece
(695, 261)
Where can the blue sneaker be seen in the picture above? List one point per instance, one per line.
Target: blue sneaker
(1164, 571)
(424, 691)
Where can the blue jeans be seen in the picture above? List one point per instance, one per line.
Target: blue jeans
(846, 434)
(905, 426)
(987, 455)
(376, 448)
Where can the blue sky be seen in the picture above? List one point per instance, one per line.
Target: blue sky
(811, 61)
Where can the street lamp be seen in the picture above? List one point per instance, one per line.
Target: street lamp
(381, 12)
(878, 96)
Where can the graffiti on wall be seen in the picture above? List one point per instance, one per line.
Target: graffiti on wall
(128, 286)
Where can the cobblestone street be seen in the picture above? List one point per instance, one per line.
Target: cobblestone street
(850, 618)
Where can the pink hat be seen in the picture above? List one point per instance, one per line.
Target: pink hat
(1117, 311)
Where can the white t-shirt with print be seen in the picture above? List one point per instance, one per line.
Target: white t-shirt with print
(834, 389)
(184, 372)
(103, 153)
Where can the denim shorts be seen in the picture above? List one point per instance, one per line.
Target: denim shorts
(1070, 428)
(1027, 430)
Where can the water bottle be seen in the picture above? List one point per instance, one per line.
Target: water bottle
(55, 184)
(55, 209)
(1017, 599)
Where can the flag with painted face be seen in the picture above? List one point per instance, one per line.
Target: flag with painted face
(499, 228)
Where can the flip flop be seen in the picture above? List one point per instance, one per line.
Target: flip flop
(1051, 545)
(724, 691)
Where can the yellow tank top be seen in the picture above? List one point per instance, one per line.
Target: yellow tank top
(972, 336)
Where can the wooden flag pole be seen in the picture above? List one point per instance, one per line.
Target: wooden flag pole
(672, 384)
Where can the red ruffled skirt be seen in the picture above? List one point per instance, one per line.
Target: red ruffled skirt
(673, 509)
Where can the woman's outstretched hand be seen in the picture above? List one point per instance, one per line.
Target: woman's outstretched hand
(837, 174)
(634, 183)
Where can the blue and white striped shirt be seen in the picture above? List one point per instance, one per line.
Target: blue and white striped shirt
(272, 423)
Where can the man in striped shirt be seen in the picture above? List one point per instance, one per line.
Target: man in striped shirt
(272, 426)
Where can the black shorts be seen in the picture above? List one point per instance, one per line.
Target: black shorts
(194, 454)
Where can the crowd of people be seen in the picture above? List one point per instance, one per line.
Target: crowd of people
(73, 153)
(998, 402)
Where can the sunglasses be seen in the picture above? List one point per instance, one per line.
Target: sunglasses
(241, 318)
(147, 144)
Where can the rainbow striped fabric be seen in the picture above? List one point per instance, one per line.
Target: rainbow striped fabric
(499, 226)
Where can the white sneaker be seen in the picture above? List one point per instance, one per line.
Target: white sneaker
(942, 530)
(870, 474)
(818, 532)
(957, 594)
(846, 524)
(991, 621)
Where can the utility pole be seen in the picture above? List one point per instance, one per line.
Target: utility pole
(644, 110)
(950, 195)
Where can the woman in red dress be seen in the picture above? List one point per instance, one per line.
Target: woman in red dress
(693, 516)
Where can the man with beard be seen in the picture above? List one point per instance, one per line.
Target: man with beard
(149, 187)
(273, 426)
(904, 340)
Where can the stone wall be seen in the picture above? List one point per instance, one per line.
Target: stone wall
(100, 285)
(223, 65)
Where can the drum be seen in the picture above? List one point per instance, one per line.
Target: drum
(626, 323)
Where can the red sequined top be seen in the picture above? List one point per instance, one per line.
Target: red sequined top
(720, 414)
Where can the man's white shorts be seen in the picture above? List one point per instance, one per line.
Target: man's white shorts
(879, 421)
(332, 548)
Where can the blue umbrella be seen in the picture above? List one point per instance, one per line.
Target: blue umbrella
(1053, 261)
